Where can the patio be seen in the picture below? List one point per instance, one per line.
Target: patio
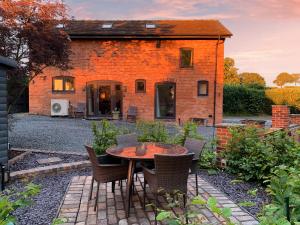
(78, 210)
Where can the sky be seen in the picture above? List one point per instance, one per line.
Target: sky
(265, 32)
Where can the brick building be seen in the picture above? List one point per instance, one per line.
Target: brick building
(166, 69)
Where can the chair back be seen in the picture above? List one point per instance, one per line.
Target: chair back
(172, 172)
(195, 146)
(80, 107)
(93, 159)
(132, 111)
(127, 140)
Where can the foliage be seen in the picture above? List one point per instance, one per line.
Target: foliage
(285, 183)
(253, 157)
(230, 72)
(247, 204)
(208, 159)
(152, 131)
(252, 79)
(189, 130)
(193, 213)
(246, 100)
(59, 221)
(104, 136)
(30, 34)
(11, 200)
(285, 78)
(285, 96)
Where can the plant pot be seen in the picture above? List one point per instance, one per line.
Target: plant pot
(116, 115)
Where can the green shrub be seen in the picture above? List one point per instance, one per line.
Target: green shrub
(284, 183)
(193, 212)
(104, 136)
(253, 157)
(285, 96)
(152, 131)
(240, 99)
(11, 200)
(188, 130)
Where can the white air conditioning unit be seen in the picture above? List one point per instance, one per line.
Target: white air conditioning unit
(59, 107)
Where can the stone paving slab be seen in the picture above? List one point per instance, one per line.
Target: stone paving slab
(78, 210)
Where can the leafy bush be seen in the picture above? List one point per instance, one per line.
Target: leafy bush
(104, 136)
(152, 131)
(193, 213)
(253, 157)
(247, 100)
(285, 183)
(285, 96)
(11, 200)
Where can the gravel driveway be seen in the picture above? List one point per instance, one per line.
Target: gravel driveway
(60, 134)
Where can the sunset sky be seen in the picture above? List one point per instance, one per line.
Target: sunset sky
(266, 32)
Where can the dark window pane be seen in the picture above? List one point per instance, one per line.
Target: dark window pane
(186, 58)
(202, 88)
(140, 86)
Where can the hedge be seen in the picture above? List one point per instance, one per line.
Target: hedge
(239, 99)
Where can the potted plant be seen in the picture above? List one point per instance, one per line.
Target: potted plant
(116, 114)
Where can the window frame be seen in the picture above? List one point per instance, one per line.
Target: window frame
(198, 88)
(64, 79)
(136, 86)
(180, 58)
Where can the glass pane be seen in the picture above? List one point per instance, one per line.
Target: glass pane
(58, 84)
(186, 58)
(69, 84)
(140, 86)
(165, 101)
(203, 88)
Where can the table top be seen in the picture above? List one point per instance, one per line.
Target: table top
(146, 151)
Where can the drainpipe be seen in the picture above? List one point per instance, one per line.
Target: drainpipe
(215, 82)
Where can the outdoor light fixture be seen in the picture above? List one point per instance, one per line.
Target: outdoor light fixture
(102, 95)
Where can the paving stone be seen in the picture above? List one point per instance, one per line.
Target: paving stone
(110, 208)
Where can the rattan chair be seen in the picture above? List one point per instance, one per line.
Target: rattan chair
(103, 172)
(169, 176)
(195, 146)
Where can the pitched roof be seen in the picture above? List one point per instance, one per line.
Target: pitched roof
(164, 29)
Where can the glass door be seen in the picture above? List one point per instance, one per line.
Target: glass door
(165, 101)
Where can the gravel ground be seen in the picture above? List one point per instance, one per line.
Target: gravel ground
(47, 202)
(30, 161)
(238, 191)
(61, 134)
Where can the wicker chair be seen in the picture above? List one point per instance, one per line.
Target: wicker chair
(170, 174)
(195, 146)
(104, 172)
(132, 114)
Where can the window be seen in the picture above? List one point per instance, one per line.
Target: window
(63, 84)
(140, 86)
(186, 57)
(107, 25)
(202, 88)
(150, 26)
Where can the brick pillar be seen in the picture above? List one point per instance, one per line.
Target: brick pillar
(280, 116)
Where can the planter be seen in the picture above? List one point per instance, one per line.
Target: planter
(115, 115)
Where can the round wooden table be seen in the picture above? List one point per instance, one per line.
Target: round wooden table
(143, 151)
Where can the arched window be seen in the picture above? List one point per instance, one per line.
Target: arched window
(63, 84)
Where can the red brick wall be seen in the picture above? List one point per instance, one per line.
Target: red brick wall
(295, 119)
(280, 116)
(126, 61)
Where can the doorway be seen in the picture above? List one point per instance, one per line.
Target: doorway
(165, 100)
(103, 97)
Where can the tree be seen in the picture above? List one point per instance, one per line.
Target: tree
(230, 72)
(252, 79)
(296, 77)
(31, 34)
(284, 78)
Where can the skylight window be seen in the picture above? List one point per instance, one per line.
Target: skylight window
(107, 25)
(150, 25)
